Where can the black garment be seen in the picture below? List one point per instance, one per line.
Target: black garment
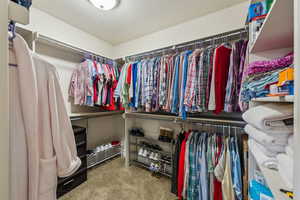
(174, 180)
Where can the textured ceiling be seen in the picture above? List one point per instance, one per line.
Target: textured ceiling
(132, 18)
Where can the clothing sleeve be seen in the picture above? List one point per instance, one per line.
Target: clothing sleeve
(73, 84)
(62, 132)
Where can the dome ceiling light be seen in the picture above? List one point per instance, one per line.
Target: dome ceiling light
(105, 4)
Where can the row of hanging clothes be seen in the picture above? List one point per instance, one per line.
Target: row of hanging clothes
(93, 83)
(201, 80)
(210, 165)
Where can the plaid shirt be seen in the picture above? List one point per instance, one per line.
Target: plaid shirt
(204, 80)
(210, 72)
(192, 176)
(191, 80)
(163, 82)
(144, 81)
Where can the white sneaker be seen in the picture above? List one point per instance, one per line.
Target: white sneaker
(106, 147)
(110, 145)
(141, 151)
(152, 167)
(156, 167)
(151, 156)
(102, 148)
(156, 156)
(145, 153)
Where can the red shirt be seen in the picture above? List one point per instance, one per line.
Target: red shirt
(128, 78)
(222, 62)
(181, 166)
(218, 184)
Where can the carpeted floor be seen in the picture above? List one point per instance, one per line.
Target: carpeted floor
(112, 181)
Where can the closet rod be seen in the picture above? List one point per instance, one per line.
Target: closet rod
(180, 120)
(230, 35)
(50, 41)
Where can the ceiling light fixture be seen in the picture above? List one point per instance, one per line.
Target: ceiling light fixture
(105, 4)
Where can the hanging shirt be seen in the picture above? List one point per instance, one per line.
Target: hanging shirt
(185, 64)
(163, 82)
(232, 91)
(212, 96)
(182, 166)
(170, 82)
(138, 87)
(236, 169)
(175, 90)
(204, 79)
(175, 166)
(227, 186)
(191, 79)
(222, 61)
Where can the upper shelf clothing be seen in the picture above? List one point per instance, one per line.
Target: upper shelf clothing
(93, 84)
(206, 79)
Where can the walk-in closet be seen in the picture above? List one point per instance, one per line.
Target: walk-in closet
(140, 100)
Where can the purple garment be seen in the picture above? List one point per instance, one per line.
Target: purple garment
(242, 66)
(265, 66)
(231, 97)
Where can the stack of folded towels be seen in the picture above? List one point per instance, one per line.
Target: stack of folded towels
(270, 129)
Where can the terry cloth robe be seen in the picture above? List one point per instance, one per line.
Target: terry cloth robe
(51, 148)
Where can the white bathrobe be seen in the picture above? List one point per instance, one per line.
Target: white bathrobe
(42, 119)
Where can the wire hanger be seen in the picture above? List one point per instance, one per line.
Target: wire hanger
(12, 30)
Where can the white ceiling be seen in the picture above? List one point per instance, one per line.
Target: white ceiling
(132, 18)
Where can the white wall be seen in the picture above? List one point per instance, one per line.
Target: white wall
(222, 21)
(4, 104)
(61, 31)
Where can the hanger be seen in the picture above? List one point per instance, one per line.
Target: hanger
(12, 30)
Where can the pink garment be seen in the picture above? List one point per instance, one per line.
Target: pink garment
(79, 85)
(42, 117)
(266, 66)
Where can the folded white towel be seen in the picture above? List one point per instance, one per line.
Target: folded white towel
(266, 139)
(269, 118)
(261, 158)
(291, 140)
(285, 167)
(289, 151)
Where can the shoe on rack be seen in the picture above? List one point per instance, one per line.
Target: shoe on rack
(139, 133)
(102, 148)
(156, 167)
(151, 156)
(157, 147)
(156, 157)
(152, 167)
(145, 153)
(141, 151)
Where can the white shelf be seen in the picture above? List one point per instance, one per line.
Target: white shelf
(273, 179)
(79, 116)
(18, 13)
(277, 31)
(275, 182)
(280, 99)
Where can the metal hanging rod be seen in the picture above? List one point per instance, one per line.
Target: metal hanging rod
(188, 120)
(210, 121)
(52, 42)
(215, 39)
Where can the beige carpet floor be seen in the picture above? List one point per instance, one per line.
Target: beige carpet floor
(112, 181)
